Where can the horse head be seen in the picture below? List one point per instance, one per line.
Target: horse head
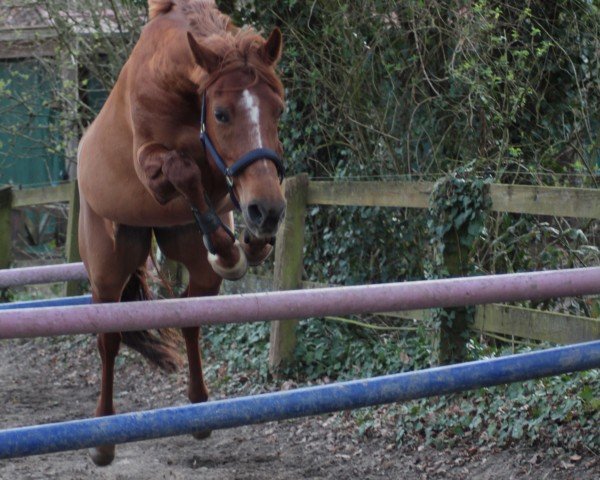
(242, 101)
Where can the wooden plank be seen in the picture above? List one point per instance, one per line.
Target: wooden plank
(5, 226)
(28, 33)
(370, 194)
(535, 324)
(21, 50)
(556, 201)
(39, 196)
(288, 268)
(27, 42)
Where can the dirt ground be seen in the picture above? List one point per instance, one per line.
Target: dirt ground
(48, 380)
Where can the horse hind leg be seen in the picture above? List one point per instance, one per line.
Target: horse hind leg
(108, 348)
(111, 255)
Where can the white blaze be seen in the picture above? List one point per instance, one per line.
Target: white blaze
(250, 104)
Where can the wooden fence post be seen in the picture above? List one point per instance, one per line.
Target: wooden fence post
(72, 247)
(288, 268)
(454, 324)
(5, 226)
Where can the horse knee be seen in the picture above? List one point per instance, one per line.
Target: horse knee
(233, 270)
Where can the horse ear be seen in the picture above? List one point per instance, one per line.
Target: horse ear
(204, 56)
(271, 50)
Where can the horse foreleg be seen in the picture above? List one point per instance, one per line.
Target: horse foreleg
(184, 245)
(108, 346)
(167, 174)
(197, 391)
(257, 250)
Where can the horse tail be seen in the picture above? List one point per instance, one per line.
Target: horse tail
(161, 348)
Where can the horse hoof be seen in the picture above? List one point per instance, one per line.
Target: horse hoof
(255, 255)
(103, 455)
(233, 273)
(203, 435)
(259, 259)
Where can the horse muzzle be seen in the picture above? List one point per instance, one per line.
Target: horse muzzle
(263, 217)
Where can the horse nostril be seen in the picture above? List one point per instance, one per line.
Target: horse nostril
(255, 213)
(273, 217)
(265, 216)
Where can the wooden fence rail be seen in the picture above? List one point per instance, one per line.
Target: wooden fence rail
(500, 319)
(31, 197)
(525, 199)
(553, 201)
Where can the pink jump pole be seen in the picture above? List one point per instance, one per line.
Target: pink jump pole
(65, 272)
(298, 303)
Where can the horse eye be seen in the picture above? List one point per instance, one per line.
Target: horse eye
(222, 116)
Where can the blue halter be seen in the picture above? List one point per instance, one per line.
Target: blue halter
(242, 163)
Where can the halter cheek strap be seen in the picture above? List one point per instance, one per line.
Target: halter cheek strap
(242, 163)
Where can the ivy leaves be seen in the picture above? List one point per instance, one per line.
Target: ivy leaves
(459, 206)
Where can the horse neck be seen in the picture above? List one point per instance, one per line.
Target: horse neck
(171, 63)
(173, 60)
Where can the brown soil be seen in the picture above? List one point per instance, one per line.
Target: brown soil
(48, 380)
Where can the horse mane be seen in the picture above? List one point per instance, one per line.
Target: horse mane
(240, 52)
(238, 47)
(159, 7)
(201, 14)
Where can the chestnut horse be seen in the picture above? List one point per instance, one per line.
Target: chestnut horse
(188, 133)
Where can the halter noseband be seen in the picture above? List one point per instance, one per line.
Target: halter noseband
(242, 163)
